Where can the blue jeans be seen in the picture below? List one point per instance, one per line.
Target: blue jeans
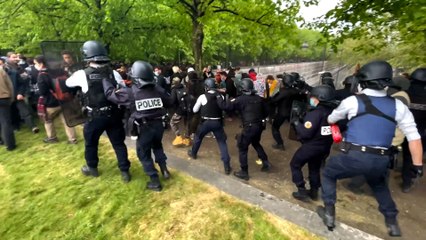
(354, 163)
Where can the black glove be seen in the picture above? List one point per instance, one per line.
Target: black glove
(417, 171)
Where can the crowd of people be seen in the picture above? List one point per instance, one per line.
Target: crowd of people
(378, 114)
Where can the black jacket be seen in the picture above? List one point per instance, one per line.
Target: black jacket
(45, 86)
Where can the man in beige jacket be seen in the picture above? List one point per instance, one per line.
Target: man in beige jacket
(6, 98)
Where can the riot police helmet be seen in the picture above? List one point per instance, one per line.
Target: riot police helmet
(375, 70)
(419, 74)
(400, 83)
(324, 93)
(142, 74)
(375, 75)
(247, 86)
(349, 81)
(94, 51)
(209, 84)
(288, 80)
(326, 75)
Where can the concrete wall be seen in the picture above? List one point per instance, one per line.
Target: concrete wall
(310, 71)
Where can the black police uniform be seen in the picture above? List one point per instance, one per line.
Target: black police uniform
(103, 116)
(315, 135)
(253, 112)
(283, 100)
(147, 103)
(212, 121)
(417, 94)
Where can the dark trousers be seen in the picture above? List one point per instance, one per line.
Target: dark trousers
(25, 114)
(7, 134)
(314, 156)
(216, 127)
(373, 167)
(250, 135)
(93, 130)
(276, 124)
(150, 137)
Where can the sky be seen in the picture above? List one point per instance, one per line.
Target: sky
(309, 13)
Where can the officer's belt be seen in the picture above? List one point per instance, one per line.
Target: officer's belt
(147, 120)
(350, 146)
(208, 118)
(99, 111)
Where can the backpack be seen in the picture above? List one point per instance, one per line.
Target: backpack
(59, 89)
(186, 100)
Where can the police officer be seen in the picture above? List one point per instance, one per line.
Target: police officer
(211, 121)
(253, 112)
(373, 117)
(315, 135)
(346, 90)
(326, 78)
(417, 93)
(283, 100)
(103, 115)
(147, 103)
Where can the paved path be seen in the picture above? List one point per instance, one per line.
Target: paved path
(279, 207)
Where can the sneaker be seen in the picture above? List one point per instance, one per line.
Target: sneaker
(35, 130)
(134, 138)
(125, 176)
(186, 142)
(178, 141)
(74, 141)
(51, 140)
(88, 171)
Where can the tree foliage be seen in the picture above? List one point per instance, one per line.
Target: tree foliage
(394, 26)
(163, 30)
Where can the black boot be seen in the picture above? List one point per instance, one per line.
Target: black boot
(88, 171)
(193, 156)
(125, 176)
(313, 194)
(242, 175)
(301, 194)
(227, 168)
(393, 227)
(328, 216)
(266, 166)
(165, 171)
(278, 146)
(154, 184)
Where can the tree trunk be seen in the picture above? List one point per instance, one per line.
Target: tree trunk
(197, 44)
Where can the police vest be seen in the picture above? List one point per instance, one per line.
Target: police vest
(211, 109)
(95, 96)
(148, 103)
(374, 124)
(252, 111)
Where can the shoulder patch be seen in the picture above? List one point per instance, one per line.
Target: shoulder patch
(308, 124)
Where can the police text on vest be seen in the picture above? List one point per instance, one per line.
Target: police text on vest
(149, 103)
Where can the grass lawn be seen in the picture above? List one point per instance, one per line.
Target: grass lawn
(43, 195)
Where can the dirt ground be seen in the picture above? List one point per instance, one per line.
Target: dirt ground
(357, 210)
